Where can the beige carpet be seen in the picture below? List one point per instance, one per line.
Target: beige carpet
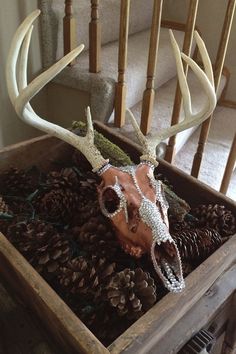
(216, 151)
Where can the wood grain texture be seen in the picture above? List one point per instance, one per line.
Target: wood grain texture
(19, 332)
(174, 25)
(229, 345)
(229, 167)
(120, 94)
(187, 45)
(220, 59)
(227, 103)
(69, 29)
(95, 39)
(149, 93)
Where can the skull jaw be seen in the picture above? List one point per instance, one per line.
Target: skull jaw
(167, 263)
(164, 255)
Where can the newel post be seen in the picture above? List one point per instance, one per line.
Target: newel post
(94, 39)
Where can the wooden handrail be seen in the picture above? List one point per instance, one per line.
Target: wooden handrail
(229, 167)
(188, 38)
(149, 93)
(94, 39)
(120, 96)
(69, 28)
(220, 59)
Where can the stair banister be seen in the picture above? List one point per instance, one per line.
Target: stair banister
(149, 93)
(120, 95)
(220, 59)
(188, 38)
(94, 39)
(69, 28)
(229, 167)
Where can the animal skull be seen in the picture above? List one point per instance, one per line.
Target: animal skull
(135, 202)
(130, 196)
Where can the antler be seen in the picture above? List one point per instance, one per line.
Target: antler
(207, 81)
(20, 93)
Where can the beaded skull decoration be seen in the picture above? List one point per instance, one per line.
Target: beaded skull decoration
(129, 196)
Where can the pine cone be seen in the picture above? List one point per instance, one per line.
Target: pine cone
(4, 209)
(58, 205)
(131, 292)
(15, 182)
(216, 217)
(85, 276)
(66, 178)
(96, 237)
(5, 216)
(41, 245)
(196, 245)
(88, 187)
(86, 209)
(189, 222)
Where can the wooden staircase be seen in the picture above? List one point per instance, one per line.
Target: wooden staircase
(131, 65)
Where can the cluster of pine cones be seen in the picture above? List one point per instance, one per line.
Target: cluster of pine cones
(54, 220)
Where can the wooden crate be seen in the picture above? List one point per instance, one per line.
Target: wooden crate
(151, 333)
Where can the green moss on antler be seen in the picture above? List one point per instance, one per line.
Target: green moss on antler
(116, 156)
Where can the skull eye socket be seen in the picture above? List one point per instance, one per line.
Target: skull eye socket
(110, 201)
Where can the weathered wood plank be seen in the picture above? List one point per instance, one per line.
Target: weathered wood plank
(19, 334)
(229, 346)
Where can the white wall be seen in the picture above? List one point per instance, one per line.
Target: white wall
(210, 21)
(12, 13)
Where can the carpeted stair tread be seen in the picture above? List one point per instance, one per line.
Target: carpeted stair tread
(216, 151)
(102, 85)
(163, 105)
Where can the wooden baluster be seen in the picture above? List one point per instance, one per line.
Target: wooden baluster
(229, 168)
(220, 59)
(69, 28)
(149, 93)
(94, 39)
(120, 96)
(188, 38)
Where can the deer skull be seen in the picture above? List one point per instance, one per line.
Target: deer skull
(135, 202)
(130, 196)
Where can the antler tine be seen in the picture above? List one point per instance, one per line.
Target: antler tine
(20, 94)
(148, 151)
(207, 82)
(22, 81)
